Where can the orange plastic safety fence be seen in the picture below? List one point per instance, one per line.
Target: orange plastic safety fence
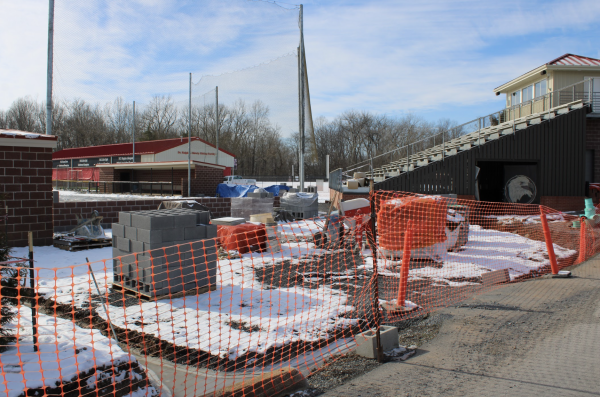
(260, 307)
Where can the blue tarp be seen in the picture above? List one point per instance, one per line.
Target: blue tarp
(225, 190)
(275, 189)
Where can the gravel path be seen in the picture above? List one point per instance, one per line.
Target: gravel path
(539, 337)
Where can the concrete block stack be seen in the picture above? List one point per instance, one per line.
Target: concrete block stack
(273, 236)
(243, 207)
(164, 251)
(260, 195)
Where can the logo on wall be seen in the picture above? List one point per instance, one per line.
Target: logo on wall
(520, 189)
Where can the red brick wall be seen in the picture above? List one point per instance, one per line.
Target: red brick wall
(26, 181)
(592, 141)
(564, 203)
(64, 213)
(204, 181)
(106, 175)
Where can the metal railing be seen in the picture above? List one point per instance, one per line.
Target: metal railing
(548, 101)
(129, 187)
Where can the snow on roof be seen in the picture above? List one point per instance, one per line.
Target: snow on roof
(121, 149)
(24, 134)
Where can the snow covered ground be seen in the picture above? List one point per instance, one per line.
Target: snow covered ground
(487, 250)
(68, 195)
(243, 316)
(65, 350)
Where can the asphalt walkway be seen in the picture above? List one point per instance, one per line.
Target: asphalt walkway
(535, 338)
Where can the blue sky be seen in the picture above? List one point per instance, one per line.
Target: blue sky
(435, 59)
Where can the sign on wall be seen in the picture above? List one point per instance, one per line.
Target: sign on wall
(93, 161)
(61, 163)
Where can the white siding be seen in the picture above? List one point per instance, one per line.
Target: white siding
(200, 152)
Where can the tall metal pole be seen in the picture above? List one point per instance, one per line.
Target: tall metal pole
(302, 121)
(49, 71)
(190, 141)
(217, 113)
(133, 160)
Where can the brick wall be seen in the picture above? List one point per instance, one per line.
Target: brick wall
(26, 181)
(64, 213)
(106, 175)
(564, 203)
(592, 141)
(204, 181)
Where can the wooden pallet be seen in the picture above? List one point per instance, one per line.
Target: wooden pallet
(79, 244)
(148, 298)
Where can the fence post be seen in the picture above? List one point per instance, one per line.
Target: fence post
(582, 241)
(549, 245)
(375, 303)
(405, 265)
(34, 299)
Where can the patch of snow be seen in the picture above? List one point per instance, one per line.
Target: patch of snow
(65, 350)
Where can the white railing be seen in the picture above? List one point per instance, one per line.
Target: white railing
(541, 104)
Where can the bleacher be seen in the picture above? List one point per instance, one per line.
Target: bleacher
(468, 142)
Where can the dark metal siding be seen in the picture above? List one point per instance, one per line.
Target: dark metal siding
(558, 146)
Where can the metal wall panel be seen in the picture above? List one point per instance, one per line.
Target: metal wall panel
(558, 146)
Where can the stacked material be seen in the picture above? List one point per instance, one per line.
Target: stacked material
(164, 251)
(243, 207)
(273, 237)
(301, 205)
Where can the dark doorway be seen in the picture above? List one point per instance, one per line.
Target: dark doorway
(125, 176)
(504, 181)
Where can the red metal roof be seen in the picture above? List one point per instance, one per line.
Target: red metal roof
(120, 149)
(574, 60)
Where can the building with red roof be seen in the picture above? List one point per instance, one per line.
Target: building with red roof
(146, 166)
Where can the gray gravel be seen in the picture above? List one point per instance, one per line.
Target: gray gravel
(342, 369)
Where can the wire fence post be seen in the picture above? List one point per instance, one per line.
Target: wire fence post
(34, 328)
(375, 303)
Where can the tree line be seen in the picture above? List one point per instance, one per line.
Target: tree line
(245, 130)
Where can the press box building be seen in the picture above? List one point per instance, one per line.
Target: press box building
(542, 148)
(161, 165)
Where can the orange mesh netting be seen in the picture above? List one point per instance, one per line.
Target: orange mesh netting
(258, 309)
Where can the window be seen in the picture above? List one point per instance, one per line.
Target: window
(528, 93)
(540, 88)
(515, 98)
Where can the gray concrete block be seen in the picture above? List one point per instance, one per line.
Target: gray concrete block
(211, 231)
(149, 236)
(125, 218)
(151, 221)
(367, 346)
(184, 220)
(127, 256)
(137, 246)
(156, 246)
(202, 217)
(131, 232)
(124, 244)
(173, 234)
(195, 233)
(118, 230)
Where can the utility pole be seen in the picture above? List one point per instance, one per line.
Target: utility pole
(301, 89)
(133, 160)
(217, 114)
(49, 71)
(190, 141)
